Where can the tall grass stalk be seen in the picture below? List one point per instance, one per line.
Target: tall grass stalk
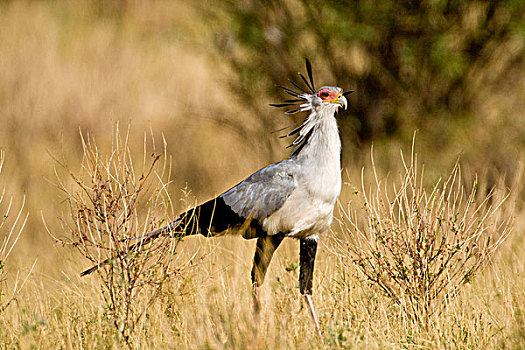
(11, 227)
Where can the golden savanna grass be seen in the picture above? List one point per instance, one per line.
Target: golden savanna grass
(70, 70)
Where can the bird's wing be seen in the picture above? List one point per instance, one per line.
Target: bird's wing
(263, 193)
(257, 197)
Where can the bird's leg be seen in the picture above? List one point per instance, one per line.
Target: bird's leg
(308, 248)
(266, 246)
(256, 302)
(313, 314)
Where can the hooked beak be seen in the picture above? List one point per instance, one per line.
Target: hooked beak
(342, 101)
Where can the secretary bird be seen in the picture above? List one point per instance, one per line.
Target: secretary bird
(292, 198)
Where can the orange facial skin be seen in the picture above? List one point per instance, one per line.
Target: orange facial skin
(328, 95)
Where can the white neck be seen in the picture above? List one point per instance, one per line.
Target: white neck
(320, 156)
(323, 146)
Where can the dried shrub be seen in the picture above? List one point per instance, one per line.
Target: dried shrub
(111, 205)
(420, 246)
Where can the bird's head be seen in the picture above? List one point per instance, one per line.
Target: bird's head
(321, 103)
(329, 95)
(306, 99)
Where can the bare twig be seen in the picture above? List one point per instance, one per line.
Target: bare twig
(420, 247)
(110, 205)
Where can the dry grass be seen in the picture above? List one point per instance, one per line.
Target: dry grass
(419, 246)
(12, 224)
(106, 220)
(151, 68)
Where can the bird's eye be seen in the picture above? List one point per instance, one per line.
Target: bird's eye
(324, 94)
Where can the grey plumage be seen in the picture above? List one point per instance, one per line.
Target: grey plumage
(263, 193)
(292, 198)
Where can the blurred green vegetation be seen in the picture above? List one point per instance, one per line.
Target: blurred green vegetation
(425, 65)
(201, 74)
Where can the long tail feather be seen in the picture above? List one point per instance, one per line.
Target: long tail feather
(210, 218)
(144, 239)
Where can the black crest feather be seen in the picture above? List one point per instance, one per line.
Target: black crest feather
(302, 102)
(297, 94)
(310, 74)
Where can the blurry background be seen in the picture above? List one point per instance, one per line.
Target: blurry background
(202, 74)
